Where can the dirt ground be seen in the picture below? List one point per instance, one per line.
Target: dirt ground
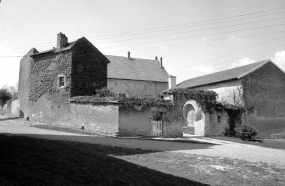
(196, 159)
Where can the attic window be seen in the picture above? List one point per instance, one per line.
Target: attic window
(61, 81)
(122, 94)
(144, 87)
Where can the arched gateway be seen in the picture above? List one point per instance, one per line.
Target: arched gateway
(193, 117)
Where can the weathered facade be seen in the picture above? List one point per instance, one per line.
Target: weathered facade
(136, 77)
(48, 79)
(259, 88)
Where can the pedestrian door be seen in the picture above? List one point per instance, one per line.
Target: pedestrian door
(157, 128)
(156, 124)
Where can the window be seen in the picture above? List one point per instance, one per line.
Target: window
(122, 94)
(144, 87)
(61, 81)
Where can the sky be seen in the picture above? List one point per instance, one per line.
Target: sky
(194, 37)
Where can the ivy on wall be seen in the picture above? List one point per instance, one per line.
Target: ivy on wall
(127, 101)
(43, 75)
(207, 99)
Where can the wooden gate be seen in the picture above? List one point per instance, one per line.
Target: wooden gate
(199, 127)
(156, 127)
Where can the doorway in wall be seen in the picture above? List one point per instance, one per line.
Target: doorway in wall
(156, 124)
(193, 119)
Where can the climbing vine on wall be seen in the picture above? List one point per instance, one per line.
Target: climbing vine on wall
(207, 99)
(128, 101)
(43, 75)
(105, 96)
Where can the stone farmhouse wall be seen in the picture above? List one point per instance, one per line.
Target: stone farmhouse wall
(135, 87)
(107, 119)
(215, 123)
(84, 70)
(264, 91)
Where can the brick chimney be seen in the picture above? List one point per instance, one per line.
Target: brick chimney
(161, 65)
(62, 40)
(171, 81)
(129, 55)
(155, 57)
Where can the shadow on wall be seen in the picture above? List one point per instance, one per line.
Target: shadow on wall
(51, 162)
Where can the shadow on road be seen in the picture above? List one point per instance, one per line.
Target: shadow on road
(26, 161)
(144, 144)
(9, 118)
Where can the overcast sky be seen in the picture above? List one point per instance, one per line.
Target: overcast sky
(194, 37)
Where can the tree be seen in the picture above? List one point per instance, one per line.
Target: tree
(13, 90)
(5, 95)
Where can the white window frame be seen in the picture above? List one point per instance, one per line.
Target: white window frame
(58, 80)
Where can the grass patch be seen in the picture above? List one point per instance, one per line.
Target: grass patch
(269, 143)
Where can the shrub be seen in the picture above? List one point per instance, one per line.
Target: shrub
(245, 132)
(104, 92)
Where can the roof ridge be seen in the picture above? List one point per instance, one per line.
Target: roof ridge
(131, 57)
(236, 68)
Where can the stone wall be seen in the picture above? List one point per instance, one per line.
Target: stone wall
(218, 123)
(230, 92)
(98, 118)
(215, 123)
(45, 99)
(135, 121)
(89, 69)
(264, 91)
(135, 87)
(24, 84)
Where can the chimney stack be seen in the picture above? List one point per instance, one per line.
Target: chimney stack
(62, 40)
(129, 55)
(155, 57)
(171, 81)
(161, 66)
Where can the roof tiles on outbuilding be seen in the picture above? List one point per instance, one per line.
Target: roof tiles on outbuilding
(234, 73)
(136, 69)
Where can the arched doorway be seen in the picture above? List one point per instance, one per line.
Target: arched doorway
(193, 118)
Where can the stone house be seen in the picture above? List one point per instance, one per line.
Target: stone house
(50, 80)
(259, 88)
(136, 77)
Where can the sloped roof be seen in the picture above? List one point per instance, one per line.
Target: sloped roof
(136, 69)
(234, 73)
(54, 50)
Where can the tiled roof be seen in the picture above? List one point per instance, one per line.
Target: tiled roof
(234, 73)
(136, 69)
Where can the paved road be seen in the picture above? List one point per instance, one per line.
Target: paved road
(191, 145)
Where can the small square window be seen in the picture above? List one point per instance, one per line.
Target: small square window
(144, 87)
(61, 81)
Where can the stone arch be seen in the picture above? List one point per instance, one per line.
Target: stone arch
(194, 117)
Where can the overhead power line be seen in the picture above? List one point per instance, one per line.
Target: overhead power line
(203, 35)
(179, 32)
(184, 43)
(193, 30)
(234, 52)
(242, 15)
(234, 59)
(195, 22)
(196, 42)
(158, 30)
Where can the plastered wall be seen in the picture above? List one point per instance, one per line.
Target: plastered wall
(135, 87)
